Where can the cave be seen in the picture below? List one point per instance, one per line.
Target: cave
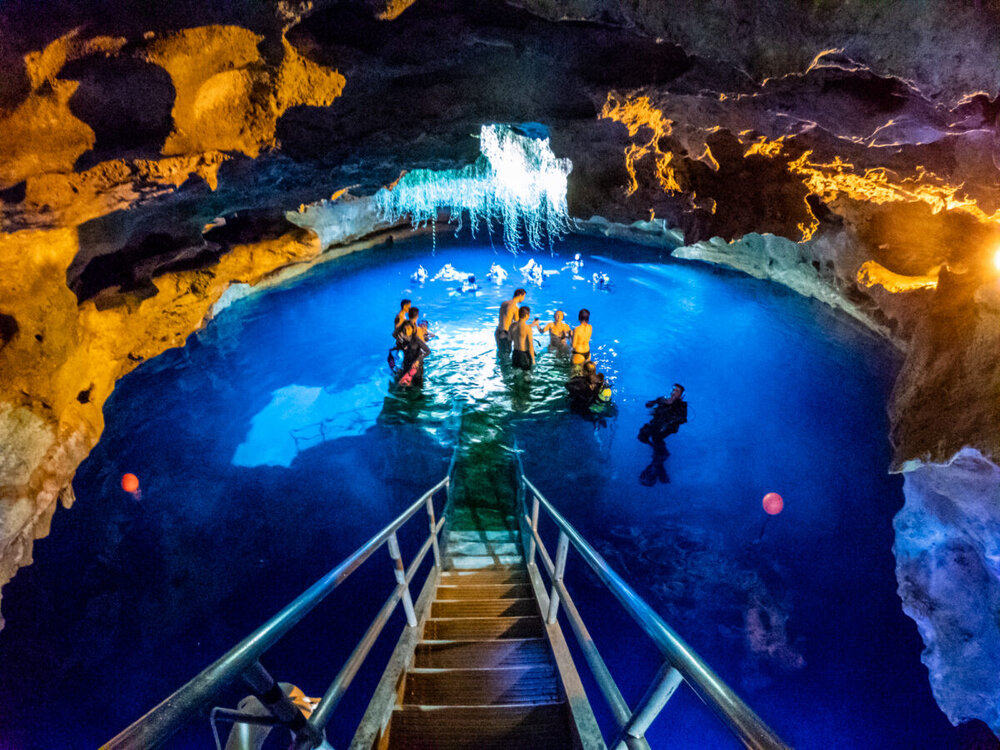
(207, 214)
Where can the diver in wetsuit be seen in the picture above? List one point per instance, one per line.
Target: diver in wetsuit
(413, 357)
(586, 388)
(668, 415)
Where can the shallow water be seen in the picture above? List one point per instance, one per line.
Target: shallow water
(271, 446)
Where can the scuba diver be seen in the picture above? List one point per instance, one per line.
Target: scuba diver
(412, 371)
(668, 415)
(587, 389)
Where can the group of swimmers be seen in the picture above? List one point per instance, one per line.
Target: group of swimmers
(515, 333)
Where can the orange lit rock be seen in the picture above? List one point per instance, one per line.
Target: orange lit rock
(227, 98)
(872, 272)
(63, 349)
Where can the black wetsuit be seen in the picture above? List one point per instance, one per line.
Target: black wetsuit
(584, 389)
(416, 350)
(667, 419)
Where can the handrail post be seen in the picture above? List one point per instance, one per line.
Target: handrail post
(660, 691)
(280, 705)
(562, 548)
(534, 527)
(400, 570)
(433, 527)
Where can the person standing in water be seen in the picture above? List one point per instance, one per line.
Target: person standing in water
(508, 314)
(558, 330)
(404, 308)
(523, 341)
(581, 338)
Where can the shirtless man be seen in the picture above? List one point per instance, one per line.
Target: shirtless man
(559, 331)
(581, 338)
(508, 314)
(524, 342)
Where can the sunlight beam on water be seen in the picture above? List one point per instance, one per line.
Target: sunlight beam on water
(516, 182)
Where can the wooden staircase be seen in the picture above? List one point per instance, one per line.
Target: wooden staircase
(483, 673)
(481, 670)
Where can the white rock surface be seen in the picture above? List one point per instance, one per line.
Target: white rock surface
(948, 566)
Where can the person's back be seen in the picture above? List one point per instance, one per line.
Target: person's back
(523, 341)
(404, 308)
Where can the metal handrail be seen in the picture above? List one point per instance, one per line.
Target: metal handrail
(680, 660)
(160, 723)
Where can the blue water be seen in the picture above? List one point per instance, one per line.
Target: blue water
(271, 446)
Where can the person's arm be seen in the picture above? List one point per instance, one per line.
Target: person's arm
(531, 344)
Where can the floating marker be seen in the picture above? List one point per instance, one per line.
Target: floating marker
(130, 483)
(773, 503)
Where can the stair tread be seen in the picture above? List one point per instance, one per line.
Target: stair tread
(483, 628)
(500, 727)
(483, 590)
(496, 653)
(484, 608)
(531, 684)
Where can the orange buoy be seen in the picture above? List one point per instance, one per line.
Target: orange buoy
(130, 482)
(773, 503)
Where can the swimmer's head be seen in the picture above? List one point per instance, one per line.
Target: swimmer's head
(423, 324)
(404, 305)
(559, 316)
(590, 367)
(524, 312)
(414, 313)
(520, 293)
(584, 315)
(678, 390)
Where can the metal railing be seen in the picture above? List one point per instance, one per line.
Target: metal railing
(681, 663)
(153, 729)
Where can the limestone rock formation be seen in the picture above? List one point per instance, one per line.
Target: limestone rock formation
(151, 157)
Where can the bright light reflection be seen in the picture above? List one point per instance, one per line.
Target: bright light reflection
(517, 182)
(996, 260)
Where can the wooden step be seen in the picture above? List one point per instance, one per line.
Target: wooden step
(517, 574)
(484, 591)
(483, 628)
(485, 608)
(483, 654)
(533, 683)
(481, 728)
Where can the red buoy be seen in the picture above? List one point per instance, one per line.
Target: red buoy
(130, 482)
(773, 504)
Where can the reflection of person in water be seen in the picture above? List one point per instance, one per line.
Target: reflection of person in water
(668, 415)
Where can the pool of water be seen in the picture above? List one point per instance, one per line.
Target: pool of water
(272, 445)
